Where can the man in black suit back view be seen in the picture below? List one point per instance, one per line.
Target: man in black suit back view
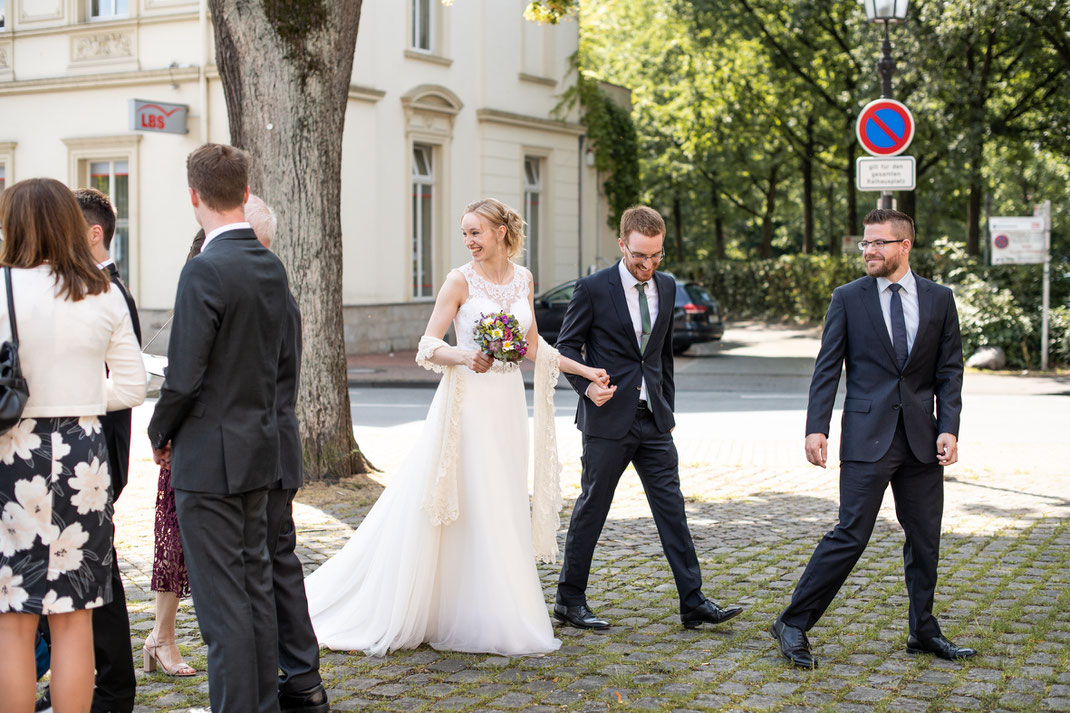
(115, 683)
(899, 336)
(300, 685)
(215, 424)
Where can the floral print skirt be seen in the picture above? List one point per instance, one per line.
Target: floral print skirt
(55, 516)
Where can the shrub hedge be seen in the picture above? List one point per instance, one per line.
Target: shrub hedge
(998, 305)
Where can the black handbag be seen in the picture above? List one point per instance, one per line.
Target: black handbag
(14, 392)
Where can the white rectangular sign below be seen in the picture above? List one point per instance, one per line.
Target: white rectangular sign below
(885, 174)
(1018, 240)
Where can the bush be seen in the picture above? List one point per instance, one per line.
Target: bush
(998, 305)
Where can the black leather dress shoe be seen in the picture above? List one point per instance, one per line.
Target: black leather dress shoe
(579, 616)
(793, 644)
(708, 613)
(939, 646)
(311, 700)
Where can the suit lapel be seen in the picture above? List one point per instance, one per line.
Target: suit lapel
(925, 308)
(666, 303)
(620, 303)
(872, 301)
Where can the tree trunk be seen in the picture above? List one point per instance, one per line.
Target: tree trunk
(807, 159)
(286, 69)
(766, 250)
(678, 226)
(852, 196)
(973, 204)
(718, 220)
(834, 240)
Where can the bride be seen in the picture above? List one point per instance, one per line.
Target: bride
(447, 554)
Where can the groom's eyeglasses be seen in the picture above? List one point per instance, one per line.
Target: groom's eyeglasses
(643, 258)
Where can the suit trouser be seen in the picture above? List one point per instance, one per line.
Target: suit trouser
(115, 682)
(918, 489)
(299, 651)
(653, 454)
(224, 540)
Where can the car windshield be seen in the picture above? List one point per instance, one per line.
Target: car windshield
(698, 295)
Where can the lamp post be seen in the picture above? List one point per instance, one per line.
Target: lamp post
(888, 12)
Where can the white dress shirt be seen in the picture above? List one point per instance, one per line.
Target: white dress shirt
(909, 297)
(631, 295)
(222, 229)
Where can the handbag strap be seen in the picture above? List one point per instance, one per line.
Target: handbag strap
(11, 310)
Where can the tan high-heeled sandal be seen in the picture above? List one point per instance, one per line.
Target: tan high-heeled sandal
(151, 657)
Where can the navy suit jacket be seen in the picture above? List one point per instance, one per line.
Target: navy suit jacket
(291, 457)
(855, 332)
(217, 402)
(597, 330)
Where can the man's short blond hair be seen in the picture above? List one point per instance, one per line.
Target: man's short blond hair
(642, 219)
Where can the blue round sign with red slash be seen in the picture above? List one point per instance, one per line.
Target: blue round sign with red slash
(885, 127)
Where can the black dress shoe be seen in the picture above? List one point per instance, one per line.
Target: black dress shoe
(311, 700)
(940, 646)
(708, 613)
(579, 616)
(793, 644)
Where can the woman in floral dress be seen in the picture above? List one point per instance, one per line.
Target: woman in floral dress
(55, 488)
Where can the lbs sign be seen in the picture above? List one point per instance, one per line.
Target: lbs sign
(158, 117)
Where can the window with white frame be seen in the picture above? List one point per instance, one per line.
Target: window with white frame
(422, 11)
(533, 212)
(112, 178)
(3, 174)
(108, 9)
(423, 182)
(3, 14)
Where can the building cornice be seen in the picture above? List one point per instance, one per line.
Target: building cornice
(103, 79)
(365, 94)
(496, 116)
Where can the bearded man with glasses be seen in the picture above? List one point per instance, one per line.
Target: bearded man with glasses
(620, 319)
(899, 335)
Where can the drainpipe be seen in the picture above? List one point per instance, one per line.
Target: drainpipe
(203, 78)
(579, 212)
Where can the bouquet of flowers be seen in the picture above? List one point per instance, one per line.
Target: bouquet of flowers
(499, 336)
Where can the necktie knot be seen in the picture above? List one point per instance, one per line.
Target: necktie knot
(895, 287)
(641, 286)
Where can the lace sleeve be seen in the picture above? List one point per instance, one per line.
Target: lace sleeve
(546, 503)
(426, 350)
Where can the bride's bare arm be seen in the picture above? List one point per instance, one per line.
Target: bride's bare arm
(450, 298)
(569, 366)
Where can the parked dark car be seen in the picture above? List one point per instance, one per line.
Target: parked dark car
(696, 315)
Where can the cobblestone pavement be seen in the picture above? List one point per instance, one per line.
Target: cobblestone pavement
(756, 513)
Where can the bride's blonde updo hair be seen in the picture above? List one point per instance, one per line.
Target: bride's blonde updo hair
(497, 214)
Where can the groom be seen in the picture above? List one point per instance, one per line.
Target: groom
(620, 319)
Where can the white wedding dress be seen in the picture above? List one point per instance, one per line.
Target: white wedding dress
(470, 584)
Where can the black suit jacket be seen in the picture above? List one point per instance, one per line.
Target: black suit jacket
(217, 402)
(855, 332)
(291, 457)
(597, 330)
(116, 424)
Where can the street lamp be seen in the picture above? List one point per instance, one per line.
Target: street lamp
(886, 11)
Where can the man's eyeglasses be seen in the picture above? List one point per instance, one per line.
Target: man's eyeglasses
(879, 244)
(643, 258)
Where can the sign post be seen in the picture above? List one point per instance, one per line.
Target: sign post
(1026, 240)
(885, 129)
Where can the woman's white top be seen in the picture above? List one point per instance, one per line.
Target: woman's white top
(64, 345)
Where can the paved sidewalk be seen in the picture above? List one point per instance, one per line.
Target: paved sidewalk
(756, 513)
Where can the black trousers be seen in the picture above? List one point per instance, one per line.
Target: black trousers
(224, 540)
(653, 454)
(115, 682)
(299, 652)
(918, 489)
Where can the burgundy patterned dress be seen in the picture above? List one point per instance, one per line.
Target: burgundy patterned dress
(168, 564)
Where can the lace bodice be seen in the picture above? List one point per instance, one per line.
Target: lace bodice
(485, 297)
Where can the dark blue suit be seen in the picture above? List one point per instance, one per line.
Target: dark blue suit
(597, 330)
(888, 436)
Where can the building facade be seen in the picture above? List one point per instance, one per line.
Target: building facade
(447, 104)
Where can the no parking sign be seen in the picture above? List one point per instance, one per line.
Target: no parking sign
(885, 127)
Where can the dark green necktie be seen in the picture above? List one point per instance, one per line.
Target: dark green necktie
(644, 316)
